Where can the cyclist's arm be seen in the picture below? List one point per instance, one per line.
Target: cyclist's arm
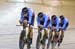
(57, 25)
(50, 23)
(46, 19)
(38, 21)
(30, 16)
(65, 21)
(21, 18)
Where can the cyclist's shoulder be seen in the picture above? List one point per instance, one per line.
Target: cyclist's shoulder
(30, 10)
(45, 16)
(57, 19)
(65, 19)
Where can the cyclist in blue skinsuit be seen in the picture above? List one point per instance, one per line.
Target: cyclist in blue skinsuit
(54, 25)
(43, 22)
(63, 26)
(28, 15)
(54, 22)
(63, 22)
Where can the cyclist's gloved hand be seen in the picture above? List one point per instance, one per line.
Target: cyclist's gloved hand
(27, 24)
(41, 26)
(53, 28)
(60, 27)
(57, 30)
(20, 21)
(45, 29)
(25, 21)
(49, 27)
(31, 26)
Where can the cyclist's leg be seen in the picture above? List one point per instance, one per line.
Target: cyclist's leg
(31, 32)
(62, 32)
(21, 40)
(49, 39)
(31, 29)
(21, 44)
(38, 39)
(46, 33)
(45, 36)
(30, 36)
(60, 38)
(43, 47)
(43, 41)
